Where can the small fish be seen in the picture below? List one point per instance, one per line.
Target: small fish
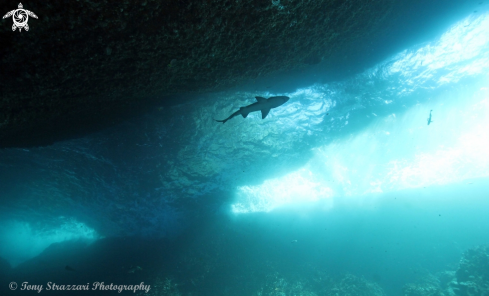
(429, 118)
(294, 241)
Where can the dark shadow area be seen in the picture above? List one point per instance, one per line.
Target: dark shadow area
(77, 82)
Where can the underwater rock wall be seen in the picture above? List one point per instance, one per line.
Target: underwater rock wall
(473, 273)
(277, 285)
(470, 279)
(97, 62)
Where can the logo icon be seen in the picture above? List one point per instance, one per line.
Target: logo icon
(20, 17)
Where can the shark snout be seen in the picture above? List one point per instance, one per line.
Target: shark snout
(285, 99)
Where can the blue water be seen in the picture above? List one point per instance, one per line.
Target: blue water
(344, 190)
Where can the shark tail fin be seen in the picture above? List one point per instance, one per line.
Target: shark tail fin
(223, 121)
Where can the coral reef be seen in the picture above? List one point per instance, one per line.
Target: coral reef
(470, 279)
(473, 273)
(282, 287)
(321, 286)
(424, 289)
(353, 285)
(162, 287)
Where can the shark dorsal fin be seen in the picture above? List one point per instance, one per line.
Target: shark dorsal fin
(264, 113)
(260, 99)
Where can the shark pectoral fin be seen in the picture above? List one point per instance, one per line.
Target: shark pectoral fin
(260, 99)
(243, 112)
(264, 113)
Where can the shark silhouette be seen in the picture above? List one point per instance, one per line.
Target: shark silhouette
(262, 104)
(429, 118)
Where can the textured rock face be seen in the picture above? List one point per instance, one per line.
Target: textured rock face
(474, 264)
(471, 278)
(84, 64)
(473, 273)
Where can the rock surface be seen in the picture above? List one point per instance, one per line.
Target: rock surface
(85, 65)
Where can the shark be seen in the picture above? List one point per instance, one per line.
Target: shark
(261, 104)
(429, 118)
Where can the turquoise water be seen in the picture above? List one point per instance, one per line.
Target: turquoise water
(344, 190)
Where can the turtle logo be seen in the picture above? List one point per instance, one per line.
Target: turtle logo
(20, 17)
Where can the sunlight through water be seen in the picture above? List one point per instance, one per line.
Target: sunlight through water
(399, 150)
